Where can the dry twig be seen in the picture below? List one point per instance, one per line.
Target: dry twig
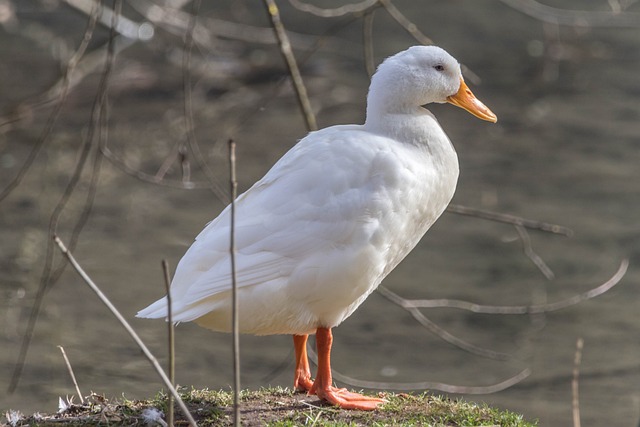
(171, 336)
(233, 184)
(154, 362)
(292, 65)
(575, 401)
(405, 23)
(70, 369)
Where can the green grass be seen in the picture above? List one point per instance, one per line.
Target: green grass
(279, 407)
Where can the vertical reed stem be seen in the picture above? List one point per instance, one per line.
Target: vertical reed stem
(70, 369)
(575, 401)
(234, 289)
(172, 353)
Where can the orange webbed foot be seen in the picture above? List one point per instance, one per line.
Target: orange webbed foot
(346, 399)
(323, 385)
(302, 381)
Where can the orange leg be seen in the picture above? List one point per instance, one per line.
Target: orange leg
(323, 387)
(302, 379)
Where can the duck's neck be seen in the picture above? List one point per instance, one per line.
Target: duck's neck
(395, 112)
(415, 126)
(386, 97)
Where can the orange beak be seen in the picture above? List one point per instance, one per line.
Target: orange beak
(467, 100)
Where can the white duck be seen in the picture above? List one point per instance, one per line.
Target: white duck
(320, 231)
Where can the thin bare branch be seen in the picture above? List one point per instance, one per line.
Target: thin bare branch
(292, 65)
(575, 400)
(531, 254)
(405, 23)
(510, 219)
(509, 309)
(171, 338)
(235, 327)
(425, 385)
(70, 369)
(576, 18)
(360, 7)
(154, 362)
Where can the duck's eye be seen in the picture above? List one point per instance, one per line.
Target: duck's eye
(439, 67)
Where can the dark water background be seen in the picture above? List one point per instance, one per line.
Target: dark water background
(565, 150)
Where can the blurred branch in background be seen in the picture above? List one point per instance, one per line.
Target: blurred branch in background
(536, 259)
(361, 7)
(208, 31)
(189, 126)
(510, 219)
(107, 17)
(46, 273)
(425, 385)
(577, 18)
(60, 94)
(80, 64)
(292, 65)
(409, 304)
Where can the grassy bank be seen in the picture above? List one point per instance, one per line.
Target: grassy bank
(275, 407)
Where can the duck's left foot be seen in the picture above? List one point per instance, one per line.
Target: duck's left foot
(302, 381)
(346, 399)
(302, 377)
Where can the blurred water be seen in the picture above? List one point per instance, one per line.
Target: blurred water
(564, 150)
